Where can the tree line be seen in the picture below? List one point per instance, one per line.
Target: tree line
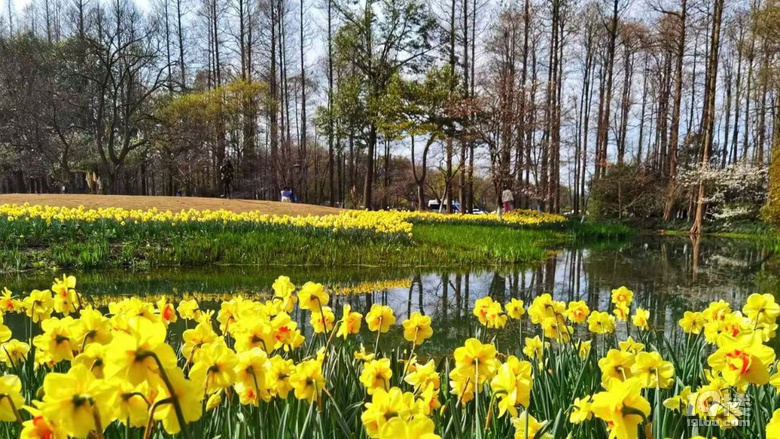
(605, 106)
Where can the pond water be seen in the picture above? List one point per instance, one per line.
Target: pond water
(667, 274)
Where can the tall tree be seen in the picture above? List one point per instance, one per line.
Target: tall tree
(180, 41)
(304, 132)
(383, 38)
(589, 36)
(602, 139)
(10, 17)
(708, 114)
(330, 127)
(123, 73)
(674, 136)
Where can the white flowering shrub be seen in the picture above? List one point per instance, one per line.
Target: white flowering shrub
(736, 192)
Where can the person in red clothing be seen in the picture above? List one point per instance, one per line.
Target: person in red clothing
(507, 199)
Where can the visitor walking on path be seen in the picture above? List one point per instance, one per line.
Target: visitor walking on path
(507, 198)
(286, 195)
(226, 175)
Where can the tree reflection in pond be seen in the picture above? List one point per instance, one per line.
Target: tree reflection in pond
(667, 274)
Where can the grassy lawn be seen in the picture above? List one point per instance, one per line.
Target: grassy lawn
(433, 245)
(470, 242)
(83, 242)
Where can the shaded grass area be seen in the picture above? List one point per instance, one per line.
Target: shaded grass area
(465, 243)
(106, 244)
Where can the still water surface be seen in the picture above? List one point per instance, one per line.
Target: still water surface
(667, 274)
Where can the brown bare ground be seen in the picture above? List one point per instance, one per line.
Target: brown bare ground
(166, 203)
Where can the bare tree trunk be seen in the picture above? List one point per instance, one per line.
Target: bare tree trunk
(386, 179)
(603, 128)
(548, 146)
(470, 177)
(450, 152)
(665, 92)
(764, 88)
(286, 127)
(180, 37)
(246, 164)
(692, 107)
(597, 167)
(303, 162)
(47, 18)
(463, 195)
(217, 62)
(775, 149)
(708, 117)
(642, 112)
(725, 148)
(167, 32)
(748, 97)
(625, 105)
(273, 111)
(340, 178)
(369, 181)
(556, 133)
(372, 130)
(674, 136)
(737, 91)
(220, 134)
(587, 99)
(530, 138)
(419, 177)
(11, 18)
(331, 127)
(521, 145)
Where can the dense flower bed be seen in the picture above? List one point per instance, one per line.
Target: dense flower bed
(519, 217)
(382, 222)
(252, 369)
(374, 222)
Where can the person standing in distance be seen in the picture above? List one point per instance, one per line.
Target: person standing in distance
(226, 175)
(507, 199)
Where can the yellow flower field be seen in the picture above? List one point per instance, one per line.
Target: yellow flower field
(372, 221)
(251, 369)
(381, 222)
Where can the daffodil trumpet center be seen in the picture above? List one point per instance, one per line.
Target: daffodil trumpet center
(80, 400)
(739, 361)
(60, 339)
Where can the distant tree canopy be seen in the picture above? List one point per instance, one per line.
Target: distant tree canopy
(600, 107)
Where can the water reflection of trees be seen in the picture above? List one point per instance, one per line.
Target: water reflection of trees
(668, 276)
